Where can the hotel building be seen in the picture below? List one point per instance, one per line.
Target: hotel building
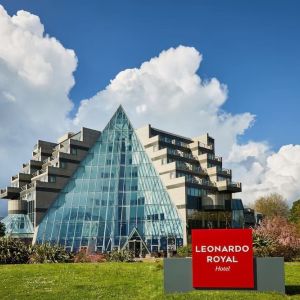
(143, 189)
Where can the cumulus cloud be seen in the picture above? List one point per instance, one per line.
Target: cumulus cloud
(167, 92)
(36, 75)
(263, 171)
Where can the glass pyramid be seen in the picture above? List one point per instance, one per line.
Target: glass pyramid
(114, 190)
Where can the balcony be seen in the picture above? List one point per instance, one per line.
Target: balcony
(171, 141)
(182, 154)
(10, 192)
(28, 186)
(201, 146)
(39, 172)
(201, 181)
(219, 171)
(208, 156)
(229, 186)
(21, 177)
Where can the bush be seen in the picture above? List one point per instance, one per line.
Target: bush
(83, 257)
(13, 251)
(263, 245)
(120, 256)
(184, 251)
(2, 229)
(276, 237)
(46, 253)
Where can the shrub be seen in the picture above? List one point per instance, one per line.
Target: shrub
(276, 237)
(263, 245)
(184, 251)
(13, 251)
(2, 229)
(46, 253)
(120, 256)
(83, 257)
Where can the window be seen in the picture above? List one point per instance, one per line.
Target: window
(52, 178)
(63, 164)
(74, 151)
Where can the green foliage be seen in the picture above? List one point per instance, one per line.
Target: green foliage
(2, 229)
(184, 251)
(272, 205)
(46, 253)
(263, 245)
(295, 211)
(120, 256)
(13, 251)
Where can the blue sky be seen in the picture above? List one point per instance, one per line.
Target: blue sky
(251, 46)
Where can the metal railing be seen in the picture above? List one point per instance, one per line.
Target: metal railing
(39, 172)
(203, 145)
(28, 186)
(201, 181)
(235, 184)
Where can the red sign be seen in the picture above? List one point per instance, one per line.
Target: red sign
(222, 258)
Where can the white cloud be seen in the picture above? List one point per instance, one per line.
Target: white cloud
(36, 75)
(167, 92)
(263, 171)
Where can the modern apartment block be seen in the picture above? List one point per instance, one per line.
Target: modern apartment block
(143, 189)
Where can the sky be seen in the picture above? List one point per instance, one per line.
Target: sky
(230, 68)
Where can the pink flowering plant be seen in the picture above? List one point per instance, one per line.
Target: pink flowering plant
(277, 237)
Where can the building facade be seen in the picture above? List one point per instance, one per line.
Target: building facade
(142, 189)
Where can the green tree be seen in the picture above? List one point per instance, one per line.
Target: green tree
(2, 229)
(295, 212)
(272, 205)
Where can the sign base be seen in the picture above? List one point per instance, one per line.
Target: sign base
(268, 275)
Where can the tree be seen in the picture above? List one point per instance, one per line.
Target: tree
(2, 229)
(272, 205)
(295, 214)
(276, 237)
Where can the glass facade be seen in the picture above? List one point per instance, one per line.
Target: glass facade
(18, 225)
(114, 192)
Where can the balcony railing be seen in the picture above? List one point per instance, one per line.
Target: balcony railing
(173, 141)
(39, 172)
(14, 177)
(235, 184)
(28, 186)
(202, 145)
(226, 171)
(201, 181)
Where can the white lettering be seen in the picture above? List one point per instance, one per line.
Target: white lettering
(218, 248)
(223, 259)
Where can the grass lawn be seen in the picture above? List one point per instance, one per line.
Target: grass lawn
(114, 281)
